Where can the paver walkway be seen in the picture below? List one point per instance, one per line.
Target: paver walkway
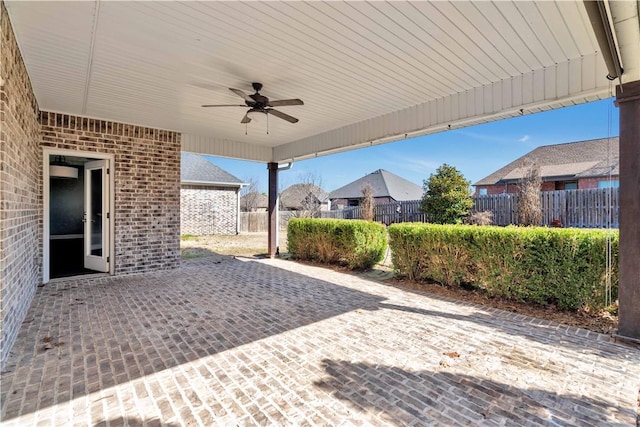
(273, 342)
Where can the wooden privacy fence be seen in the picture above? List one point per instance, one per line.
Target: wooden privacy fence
(253, 222)
(386, 213)
(258, 222)
(588, 208)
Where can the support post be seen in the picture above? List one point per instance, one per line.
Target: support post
(273, 209)
(238, 215)
(628, 100)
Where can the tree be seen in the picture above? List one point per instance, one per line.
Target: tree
(249, 195)
(305, 198)
(529, 205)
(446, 198)
(367, 204)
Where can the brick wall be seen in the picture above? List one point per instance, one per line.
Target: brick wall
(548, 186)
(147, 185)
(593, 182)
(208, 210)
(497, 189)
(589, 182)
(20, 201)
(545, 186)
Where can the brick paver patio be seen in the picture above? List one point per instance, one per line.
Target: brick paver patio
(272, 342)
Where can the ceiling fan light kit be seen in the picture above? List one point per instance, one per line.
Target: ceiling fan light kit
(59, 168)
(257, 115)
(259, 104)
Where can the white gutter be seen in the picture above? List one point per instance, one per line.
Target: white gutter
(214, 184)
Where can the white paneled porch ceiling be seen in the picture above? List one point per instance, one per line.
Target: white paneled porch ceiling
(368, 72)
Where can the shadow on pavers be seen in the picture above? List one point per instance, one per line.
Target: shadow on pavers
(127, 327)
(447, 398)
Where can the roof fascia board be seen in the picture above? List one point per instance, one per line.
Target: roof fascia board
(575, 81)
(600, 16)
(625, 16)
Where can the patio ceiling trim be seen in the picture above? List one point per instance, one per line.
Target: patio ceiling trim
(572, 82)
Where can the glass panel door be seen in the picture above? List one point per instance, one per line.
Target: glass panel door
(96, 216)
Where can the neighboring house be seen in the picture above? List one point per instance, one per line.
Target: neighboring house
(304, 197)
(387, 188)
(254, 202)
(209, 198)
(570, 166)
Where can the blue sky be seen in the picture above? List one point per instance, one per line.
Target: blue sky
(475, 151)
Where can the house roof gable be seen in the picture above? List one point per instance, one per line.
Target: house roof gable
(294, 195)
(259, 200)
(195, 168)
(383, 183)
(592, 158)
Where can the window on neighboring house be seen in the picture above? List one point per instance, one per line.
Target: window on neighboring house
(614, 183)
(354, 202)
(571, 185)
(482, 192)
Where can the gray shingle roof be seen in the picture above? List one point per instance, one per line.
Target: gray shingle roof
(580, 159)
(383, 183)
(258, 199)
(195, 168)
(293, 196)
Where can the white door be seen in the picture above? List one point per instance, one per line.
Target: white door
(96, 216)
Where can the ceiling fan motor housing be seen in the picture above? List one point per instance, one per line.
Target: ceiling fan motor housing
(259, 101)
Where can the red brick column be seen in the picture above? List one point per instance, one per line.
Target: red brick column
(628, 99)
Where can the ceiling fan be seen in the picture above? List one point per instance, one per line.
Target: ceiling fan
(260, 104)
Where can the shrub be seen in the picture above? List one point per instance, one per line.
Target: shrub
(355, 243)
(480, 218)
(566, 267)
(446, 198)
(368, 203)
(529, 203)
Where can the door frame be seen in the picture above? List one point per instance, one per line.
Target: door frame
(96, 262)
(46, 190)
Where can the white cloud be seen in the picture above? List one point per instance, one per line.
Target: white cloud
(482, 136)
(413, 164)
(524, 138)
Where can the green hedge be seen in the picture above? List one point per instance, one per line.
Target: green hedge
(566, 267)
(354, 243)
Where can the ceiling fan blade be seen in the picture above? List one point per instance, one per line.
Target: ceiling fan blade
(246, 119)
(241, 94)
(282, 115)
(225, 105)
(283, 102)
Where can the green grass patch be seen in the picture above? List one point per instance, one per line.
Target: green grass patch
(186, 237)
(193, 255)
